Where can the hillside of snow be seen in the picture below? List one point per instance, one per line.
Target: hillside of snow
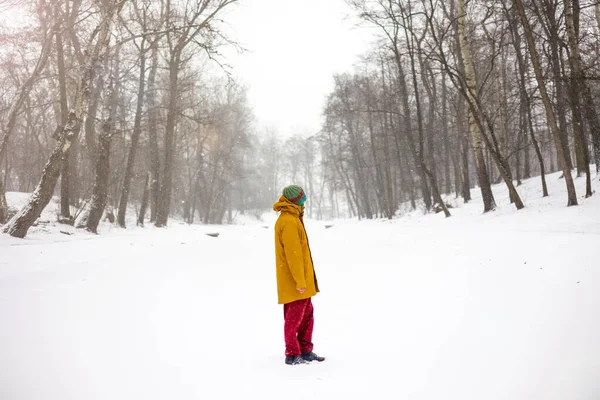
(493, 306)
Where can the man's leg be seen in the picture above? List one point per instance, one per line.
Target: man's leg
(306, 329)
(293, 314)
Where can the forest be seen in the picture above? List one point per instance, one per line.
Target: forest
(128, 110)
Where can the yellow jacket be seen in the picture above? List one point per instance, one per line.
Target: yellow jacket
(292, 254)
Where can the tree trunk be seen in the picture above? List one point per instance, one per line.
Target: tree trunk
(403, 165)
(582, 156)
(525, 101)
(22, 221)
(429, 89)
(379, 170)
(578, 83)
(390, 194)
(555, 61)
(494, 152)
(362, 204)
(135, 138)
(145, 196)
(526, 152)
(406, 112)
(489, 203)
(463, 151)
(164, 201)
(572, 195)
(445, 135)
(100, 189)
(90, 119)
(65, 212)
(520, 139)
(591, 112)
(153, 134)
(3, 202)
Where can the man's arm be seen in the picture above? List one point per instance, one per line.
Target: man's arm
(293, 254)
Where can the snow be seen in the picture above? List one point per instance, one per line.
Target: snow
(501, 305)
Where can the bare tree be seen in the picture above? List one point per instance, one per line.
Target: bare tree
(65, 212)
(471, 91)
(144, 204)
(572, 196)
(195, 22)
(548, 18)
(525, 117)
(414, 45)
(578, 83)
(97, 49)
(142, 17)
(100, 189)
(46, 17)
(154, 160)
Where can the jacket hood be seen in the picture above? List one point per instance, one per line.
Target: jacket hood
(284, 205)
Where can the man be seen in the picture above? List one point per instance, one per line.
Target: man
(296, 279)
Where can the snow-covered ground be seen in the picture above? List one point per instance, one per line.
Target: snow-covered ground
(499, 306)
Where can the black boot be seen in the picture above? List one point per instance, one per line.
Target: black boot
(312, 357)
(295, 360)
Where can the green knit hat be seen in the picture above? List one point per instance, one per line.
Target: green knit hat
(294, 193)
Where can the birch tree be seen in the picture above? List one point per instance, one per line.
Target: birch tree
(489, 203)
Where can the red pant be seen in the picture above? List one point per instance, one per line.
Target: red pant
(298, 327)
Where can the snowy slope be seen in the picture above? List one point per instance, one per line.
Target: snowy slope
(497, 306)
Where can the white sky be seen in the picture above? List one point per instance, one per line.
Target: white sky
(295, 47)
